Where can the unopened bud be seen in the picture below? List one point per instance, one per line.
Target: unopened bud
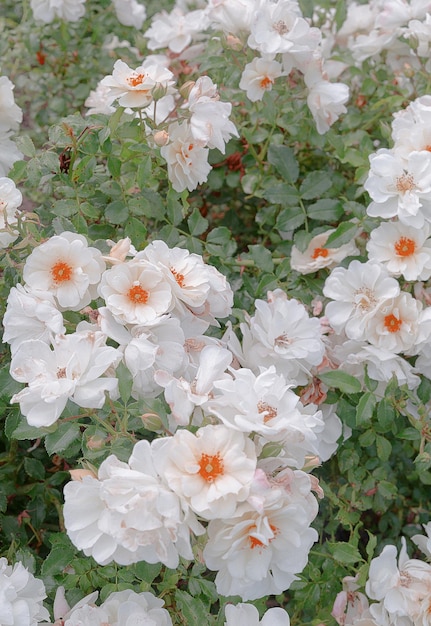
(233, 42)
(159, 91)
(95, 443)
(186, 89)
(152, 422)
(161, 138)
(78, 474)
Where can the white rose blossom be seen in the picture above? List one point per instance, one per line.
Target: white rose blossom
(259, 550)
(136, 292)
(282, 334)
(47, 10)
(128, 514)
(121, 608)
(211, 470)
(66, 267)
(10, 112)
(135, 87)
(265, 405)
(317, 255)
(209, 122)
(9, 153)
(130, 12)
(259, 76)
(400, 188)
(10, 200)
(403, 587)
(195, 387)
(248, 615)
(21, 596)
(279, 27)
(74, 369)
(402, 249)
(176, 29)
(160, 347)
(357, 293)
(31, 315)
(186, 157)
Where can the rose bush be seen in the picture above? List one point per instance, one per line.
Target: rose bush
(215, 253)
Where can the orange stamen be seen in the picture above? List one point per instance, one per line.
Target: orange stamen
(264, 407)
(178, 277)
(211, 467)
(61, 272)
(320, 252)
(266, 82)
(137, 295)
(405, 246)
(135, 80)
(255, 542)
(392, 323)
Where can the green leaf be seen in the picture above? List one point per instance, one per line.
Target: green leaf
(34, 468)
(345, 232)
(340, 13)
(345, 553)
(116, 212)
(114, 166)
(57, 560)
(371, 545)
(423, 461)
(65, 208)
(385, 414)
(65, 435)
(365, 408)
(125, 382)
(136, 230)
(289, 219)
(262, 257)
(147, 571)
(424, 390)
(384, 448)
(325, 210)
(23, 431)
(25, 144)
(284, 161)
(411, 434)
(315, 184)
(192, 609)
(281, 194)
(219, 242)
(197, 224)
(341, 380)
(302, 239)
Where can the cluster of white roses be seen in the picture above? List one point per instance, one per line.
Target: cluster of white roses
(398, 29)
(275, 29)
(22, 596)
(129, 12)
(239, 469)
(402, 590)
(375, 321)
(10, 119)
(184, 130)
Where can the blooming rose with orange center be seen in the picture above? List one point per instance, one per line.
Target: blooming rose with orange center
(135, 88)
(259, 550)
(66, 267)
(404, 250)
(136, 292)
(211, 470)
(317, 255)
